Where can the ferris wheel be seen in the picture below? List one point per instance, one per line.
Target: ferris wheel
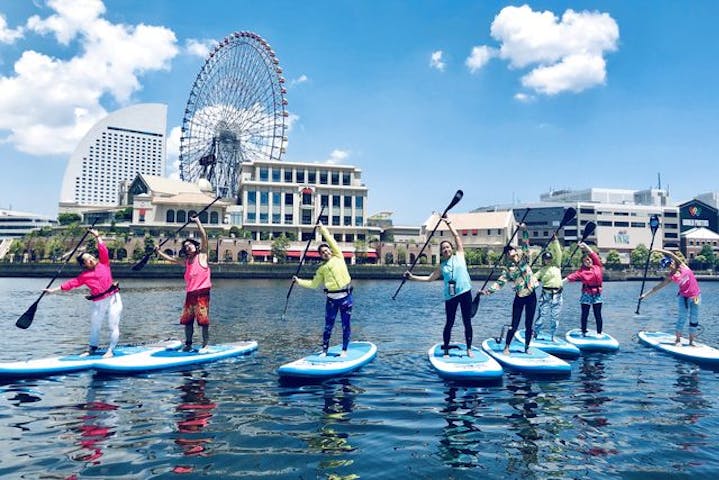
(235, 114)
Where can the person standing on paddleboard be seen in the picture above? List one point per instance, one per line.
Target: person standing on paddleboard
(519, 272)
(197, 286)
(591, 276)
(457, 287)
(104, 294)
(333, 274)
(550, 300)
(689, 296)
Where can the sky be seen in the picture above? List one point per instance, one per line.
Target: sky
(504, 100)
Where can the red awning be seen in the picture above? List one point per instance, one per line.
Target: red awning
(261, 253)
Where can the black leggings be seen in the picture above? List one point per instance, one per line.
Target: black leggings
(529, 304)
(450, 308)
(597, 307)
(190, 330)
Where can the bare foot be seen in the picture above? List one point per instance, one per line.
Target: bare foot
(506, 351)
(343, 353)
(84, 354)
(470, 354)
(108, 354)
(323, 354)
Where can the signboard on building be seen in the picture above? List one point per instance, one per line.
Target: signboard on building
(696, 213)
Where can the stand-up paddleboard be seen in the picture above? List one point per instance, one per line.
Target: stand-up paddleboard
(534, 361)
(557, 347)
(459, 366)
(592, 341)
(65, 364)
(317, 366)
(162, 358)
(699, 352)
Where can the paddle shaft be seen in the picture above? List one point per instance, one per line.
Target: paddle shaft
(457, 197)
(302, 259)
(499, 260)
(189, 220)
(569, 215)
(646, 268)
(588, 230)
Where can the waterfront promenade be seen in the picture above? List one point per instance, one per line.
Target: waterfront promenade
(280, 271)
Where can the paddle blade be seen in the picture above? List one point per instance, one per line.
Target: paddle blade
(26, 318)
(141, 264)
(569, 215)
(588, 230)
(475, 305)
(457, 197)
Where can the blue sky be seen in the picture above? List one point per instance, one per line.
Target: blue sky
(504, 100)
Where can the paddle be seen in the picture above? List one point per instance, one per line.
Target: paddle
(455, 200)
(143, 261)
(302, 260)
(569, 215)
(654, 225)
(475, 300)
(26, 318)
(588, 230)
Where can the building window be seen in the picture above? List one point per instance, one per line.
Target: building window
(306, 217)
(345, 179)
(288, 219)
(347, 220)
(214, 217)
(170, 216)
(264, 198)
(276, 218)
(251, 217)
(335, 178)
(263, 217)
(312, 177)
(348, 202)
(621, 224)
(203, 217)
(289, 199)
(306, 198)
(349, 238)
(323, 177)
(264, 174)
(288, 176)
(359, 202)
(276, 199)
(251, 198)
(335, 219)
(324, 200)
(300, 176)
(358, 223)
(276, 175)
(181, 216)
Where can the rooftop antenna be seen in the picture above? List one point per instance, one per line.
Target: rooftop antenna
(659, 180)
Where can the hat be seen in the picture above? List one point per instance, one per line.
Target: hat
(547, 255)
(665, 262)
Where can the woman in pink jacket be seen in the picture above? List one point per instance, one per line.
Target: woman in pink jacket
(104, 294)
(590, 274)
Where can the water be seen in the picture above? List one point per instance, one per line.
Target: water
(634, 414)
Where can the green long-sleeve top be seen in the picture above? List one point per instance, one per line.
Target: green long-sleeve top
(520, 273)
(550, 275)
(332, 273)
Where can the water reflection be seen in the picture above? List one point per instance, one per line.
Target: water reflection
(594, 439)
(193, 415)
(461, 443)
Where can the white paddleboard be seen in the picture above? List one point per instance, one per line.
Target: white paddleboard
(161, 358)
(534, 361)
(557, 347)
(317, 366)
(592, 341)
(699, 352)
(459, 366)
(64, 364)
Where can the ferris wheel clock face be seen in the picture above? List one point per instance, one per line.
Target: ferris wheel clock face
(236, 113)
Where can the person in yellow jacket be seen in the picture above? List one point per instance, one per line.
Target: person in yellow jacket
(336, 279)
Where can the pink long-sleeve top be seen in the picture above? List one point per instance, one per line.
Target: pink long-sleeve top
(591, 277)
(688, 285)
(98, 279)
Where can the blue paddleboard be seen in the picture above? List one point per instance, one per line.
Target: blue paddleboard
(557, 347)
(64, 364)
(316, 366)
(534, 361)
(161, 358)
(592, 341)
(459, 366)
(699, 352)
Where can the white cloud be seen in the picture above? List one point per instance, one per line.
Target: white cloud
(49, 103)
(563, 55)
(435, 61)
(173, 153)
(8, 35)
(299, 80)
(337, 156)
(199, 48)
(523, 97)
(479, 57)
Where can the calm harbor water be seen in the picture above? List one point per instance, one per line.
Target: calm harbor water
(634, 414)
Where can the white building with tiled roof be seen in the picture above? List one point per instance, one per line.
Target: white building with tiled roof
(490, 230)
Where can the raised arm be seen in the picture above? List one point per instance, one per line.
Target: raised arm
(457, 239)
(435, 275)
(669, 254)
(103, 256)
(167, 257)
(334, 247)
(204, 244)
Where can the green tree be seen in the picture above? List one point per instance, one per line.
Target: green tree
(124, 215)
(639, 255)
(279, 248)
(54, 248)
(708, 253)
(613, 260)
(475, 256)
(68, 218)
(360, 251)
(401, 255)
(388, 258)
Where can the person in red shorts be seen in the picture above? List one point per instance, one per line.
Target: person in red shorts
(197, 286)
